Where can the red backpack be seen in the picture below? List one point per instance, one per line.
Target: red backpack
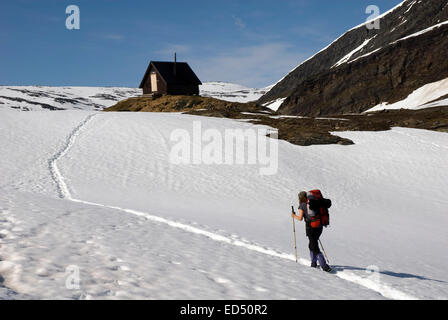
(319, 205)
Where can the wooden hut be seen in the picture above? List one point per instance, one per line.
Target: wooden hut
(172, 78)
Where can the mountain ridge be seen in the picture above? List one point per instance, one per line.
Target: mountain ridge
(389, 76)
(358, 43)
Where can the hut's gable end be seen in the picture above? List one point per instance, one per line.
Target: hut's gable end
(153, 82)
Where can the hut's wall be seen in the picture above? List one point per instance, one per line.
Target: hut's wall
(177, 89)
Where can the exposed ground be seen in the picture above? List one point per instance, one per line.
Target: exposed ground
(302, 131)
(165, 103)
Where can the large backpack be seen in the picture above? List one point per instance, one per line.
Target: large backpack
(318, 209)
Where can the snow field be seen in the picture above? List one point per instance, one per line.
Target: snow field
(123, 256)
(117, 164)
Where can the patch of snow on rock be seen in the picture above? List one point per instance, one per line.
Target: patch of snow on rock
(418, 99)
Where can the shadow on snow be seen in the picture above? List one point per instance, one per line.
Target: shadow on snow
(388, 273)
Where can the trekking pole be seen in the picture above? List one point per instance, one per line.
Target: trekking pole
(328, 261)
(294, 229)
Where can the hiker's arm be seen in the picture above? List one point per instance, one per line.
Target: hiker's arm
(299, 216)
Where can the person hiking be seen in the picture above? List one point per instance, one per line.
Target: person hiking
(313, 233)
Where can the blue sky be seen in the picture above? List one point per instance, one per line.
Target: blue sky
(250, 42)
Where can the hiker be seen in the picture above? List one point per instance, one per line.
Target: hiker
(313, 231)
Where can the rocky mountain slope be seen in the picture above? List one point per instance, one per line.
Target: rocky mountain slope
(388, 76)
(364, 68)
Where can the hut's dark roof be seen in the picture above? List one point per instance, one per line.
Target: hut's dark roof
(184, 74)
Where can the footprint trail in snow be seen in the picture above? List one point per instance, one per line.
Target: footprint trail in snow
(64, 192)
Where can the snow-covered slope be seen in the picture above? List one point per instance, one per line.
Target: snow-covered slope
(96, 191)
(275, 104)
(33, 98)
(29, 98)
(231, 92)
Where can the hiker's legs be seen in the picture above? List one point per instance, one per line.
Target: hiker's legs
(313, 259)
(315, 253)
(322, 261)
(314, 245)
(313, 236)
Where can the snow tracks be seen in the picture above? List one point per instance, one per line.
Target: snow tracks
(58, 178)
(64, 193)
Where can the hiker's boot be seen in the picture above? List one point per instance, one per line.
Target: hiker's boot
(323, 263)
(327, 268)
